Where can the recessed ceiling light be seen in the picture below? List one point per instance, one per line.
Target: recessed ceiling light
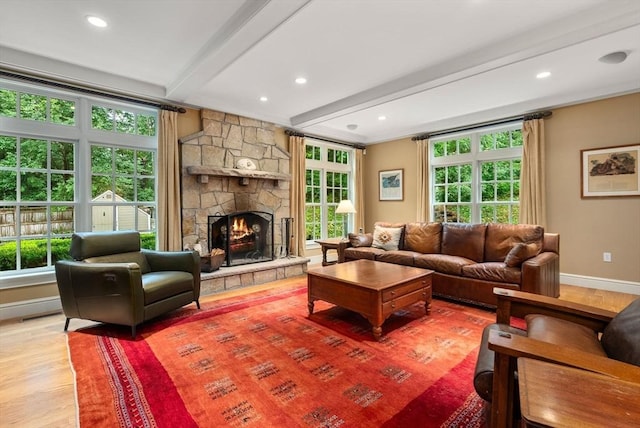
(382, 117)
(352, 126)
(301, 80)
(614, 57)
(543, 75)
(264, 99)
(98, 22)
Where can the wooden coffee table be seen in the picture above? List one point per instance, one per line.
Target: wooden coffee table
(373, 289)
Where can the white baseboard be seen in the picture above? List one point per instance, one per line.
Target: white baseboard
(30, 308)
(620, 286)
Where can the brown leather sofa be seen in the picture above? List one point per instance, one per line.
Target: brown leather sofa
(556, 331)
(113, 280)
(469, 260)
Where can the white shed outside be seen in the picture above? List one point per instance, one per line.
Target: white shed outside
(125, 215)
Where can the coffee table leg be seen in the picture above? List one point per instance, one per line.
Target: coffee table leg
(427, 306)
(377, 332)
(310, 306)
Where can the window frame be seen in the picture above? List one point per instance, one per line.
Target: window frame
(475, 158)
(84, 136)
(325, 166)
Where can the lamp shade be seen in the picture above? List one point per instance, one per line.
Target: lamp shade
(345, 207)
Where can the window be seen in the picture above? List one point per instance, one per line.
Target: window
(70, 163)
(476, 177)
(329, 172)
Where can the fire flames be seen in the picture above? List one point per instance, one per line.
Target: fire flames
(239, 230)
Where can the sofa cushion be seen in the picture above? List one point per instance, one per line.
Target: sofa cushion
(389, 224)
(563, 333)
(621, 338)
(520, 253)
(464, 240)
(492, 271)
(424, 238)
(360, 239)
(442, 263)
(399, 257)
(158, 286)
(367, 253)
(132, 257)
(501, 238)
(387, 238)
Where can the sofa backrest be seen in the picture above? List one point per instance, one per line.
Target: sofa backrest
(423, 238)
(464, 240)
(551, 243)
(501, 238)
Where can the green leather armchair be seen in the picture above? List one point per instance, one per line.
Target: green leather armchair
(113, 280)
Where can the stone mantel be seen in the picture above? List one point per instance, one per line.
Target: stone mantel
(203, 173)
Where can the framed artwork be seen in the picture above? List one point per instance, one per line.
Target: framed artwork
(391, 185)
(610, 171)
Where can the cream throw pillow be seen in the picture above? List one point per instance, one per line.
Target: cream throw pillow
(386, 238)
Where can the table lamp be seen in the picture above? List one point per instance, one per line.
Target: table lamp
(345, 207)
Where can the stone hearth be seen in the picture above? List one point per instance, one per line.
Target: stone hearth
(235, 277)
(212, 185)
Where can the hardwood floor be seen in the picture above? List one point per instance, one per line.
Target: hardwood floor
(37, 382)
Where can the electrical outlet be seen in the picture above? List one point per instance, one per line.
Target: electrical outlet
(606, 257)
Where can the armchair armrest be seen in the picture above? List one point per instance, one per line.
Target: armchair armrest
(521, 346)
(509, 347)
(518, 304)
(109, 292)
(186, 261)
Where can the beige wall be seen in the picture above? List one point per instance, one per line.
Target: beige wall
(587, 227)
(189, 123)
(399, 154)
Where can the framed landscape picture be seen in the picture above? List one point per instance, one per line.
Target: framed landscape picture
(391, 185)
(610, 171)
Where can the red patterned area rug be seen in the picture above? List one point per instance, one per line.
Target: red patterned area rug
(262, 361)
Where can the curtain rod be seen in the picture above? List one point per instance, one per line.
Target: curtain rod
(89, 91)
(294, 133)
(530, 116)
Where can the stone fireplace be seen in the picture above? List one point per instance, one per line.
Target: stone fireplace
(212, 185)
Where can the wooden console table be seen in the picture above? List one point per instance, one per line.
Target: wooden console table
(553, 395)
(332, 244)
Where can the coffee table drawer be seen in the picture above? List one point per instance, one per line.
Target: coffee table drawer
(403, 289)
(406, 300)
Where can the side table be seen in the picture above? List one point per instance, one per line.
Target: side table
(337, 244)
(552, 395)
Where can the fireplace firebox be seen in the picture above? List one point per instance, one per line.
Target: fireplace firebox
(246, 237)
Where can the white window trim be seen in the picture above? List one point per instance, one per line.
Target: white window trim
(81, 133)
(475, 158)
(324, 165)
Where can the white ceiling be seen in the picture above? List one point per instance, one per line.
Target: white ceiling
(426, 65)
